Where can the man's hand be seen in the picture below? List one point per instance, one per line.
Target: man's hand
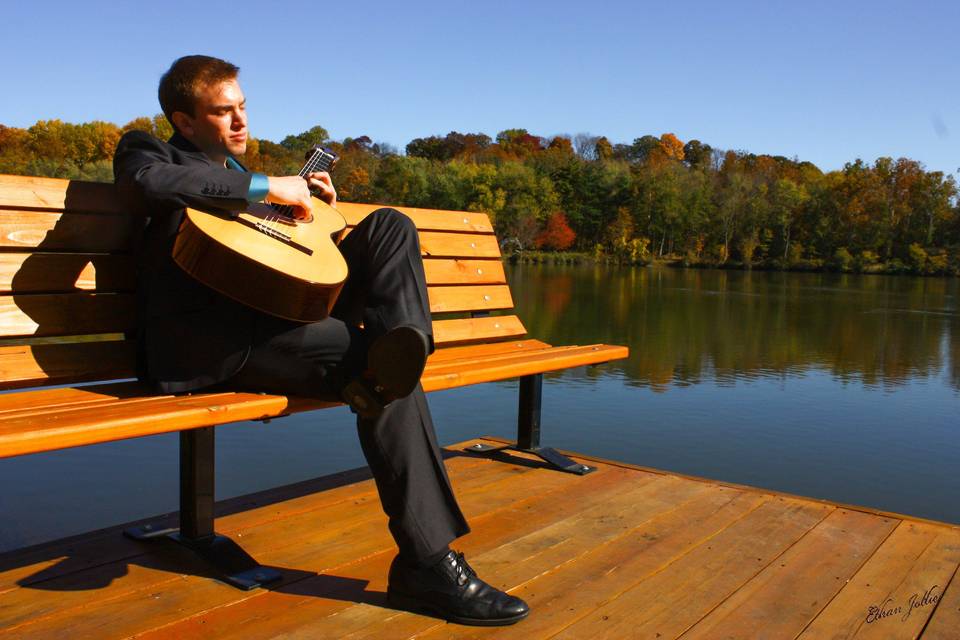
(291, 190)
(321, 185)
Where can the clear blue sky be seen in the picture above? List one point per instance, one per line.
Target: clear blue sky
(824, 81)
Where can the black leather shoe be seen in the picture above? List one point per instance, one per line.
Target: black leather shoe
(395, 362)
(451, 590)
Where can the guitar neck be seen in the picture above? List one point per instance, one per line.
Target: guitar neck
(319, 160)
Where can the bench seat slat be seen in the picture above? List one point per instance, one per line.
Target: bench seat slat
(36, 429)
(476, 350)
(442, 366)
(160, 415)
(468, 372)
(107, 407)
(68, 396)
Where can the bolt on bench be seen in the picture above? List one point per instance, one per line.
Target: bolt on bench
(67, 292)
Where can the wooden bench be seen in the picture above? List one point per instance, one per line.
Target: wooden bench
(67, 281)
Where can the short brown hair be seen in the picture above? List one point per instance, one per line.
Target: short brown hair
(182, 82)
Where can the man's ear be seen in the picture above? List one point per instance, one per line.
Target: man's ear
(182, 122)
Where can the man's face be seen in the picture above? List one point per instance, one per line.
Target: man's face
(218, 126)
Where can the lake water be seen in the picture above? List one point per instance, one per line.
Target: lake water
(834, 386)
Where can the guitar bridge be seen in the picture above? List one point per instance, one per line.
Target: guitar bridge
(276, 234)
(273, 232)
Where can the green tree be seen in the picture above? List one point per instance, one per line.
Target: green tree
(307, 140)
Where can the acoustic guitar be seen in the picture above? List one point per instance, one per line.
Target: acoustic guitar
(265, 258)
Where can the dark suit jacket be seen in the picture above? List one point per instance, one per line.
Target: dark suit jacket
(189, 335)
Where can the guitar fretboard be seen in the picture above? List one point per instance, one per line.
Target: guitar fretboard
(319, 160)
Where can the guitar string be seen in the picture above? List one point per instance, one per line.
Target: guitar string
(319, 159)
(285, 210)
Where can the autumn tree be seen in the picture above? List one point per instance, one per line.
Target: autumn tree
(603, 150)
(158, 126)
(671, 147)
(518, 143)
(557, 233)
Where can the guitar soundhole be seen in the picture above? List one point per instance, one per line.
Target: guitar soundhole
(291, 221)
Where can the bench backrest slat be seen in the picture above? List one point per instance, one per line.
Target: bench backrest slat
(67, 275)
(425, 219)
(55, 194)
(46, 364)
(70, 272)
(453, 271)
(65, 231)
(66, 272)
(66, 314)
(72, 314)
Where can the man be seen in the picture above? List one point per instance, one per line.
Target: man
(193, 337)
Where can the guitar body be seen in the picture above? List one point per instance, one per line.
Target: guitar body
(284, 267)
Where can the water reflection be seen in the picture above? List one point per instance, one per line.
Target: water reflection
(685, 327)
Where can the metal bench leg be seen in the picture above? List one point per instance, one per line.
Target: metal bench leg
(528, 430)
(197, 475)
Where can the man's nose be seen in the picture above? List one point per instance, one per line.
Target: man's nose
(239, 120)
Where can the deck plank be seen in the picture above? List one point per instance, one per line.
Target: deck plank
(672, 600)
(793, 589)
(945, 620)
(900, 556)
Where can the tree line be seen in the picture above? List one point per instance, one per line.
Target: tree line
(654, 198)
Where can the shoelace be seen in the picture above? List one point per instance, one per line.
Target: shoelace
(463, 570)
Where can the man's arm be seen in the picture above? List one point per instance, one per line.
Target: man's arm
(145, 169)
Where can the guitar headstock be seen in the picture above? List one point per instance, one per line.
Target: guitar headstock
(321, 158)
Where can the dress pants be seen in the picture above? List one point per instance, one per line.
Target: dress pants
(386, 289)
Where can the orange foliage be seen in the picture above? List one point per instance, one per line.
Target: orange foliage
(671, 146)
(558, 235)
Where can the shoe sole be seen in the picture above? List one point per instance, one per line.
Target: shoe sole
(409, 603)
(397, 360)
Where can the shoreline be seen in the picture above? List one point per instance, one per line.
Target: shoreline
(895, 268)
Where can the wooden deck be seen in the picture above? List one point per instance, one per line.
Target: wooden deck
(624, 552)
